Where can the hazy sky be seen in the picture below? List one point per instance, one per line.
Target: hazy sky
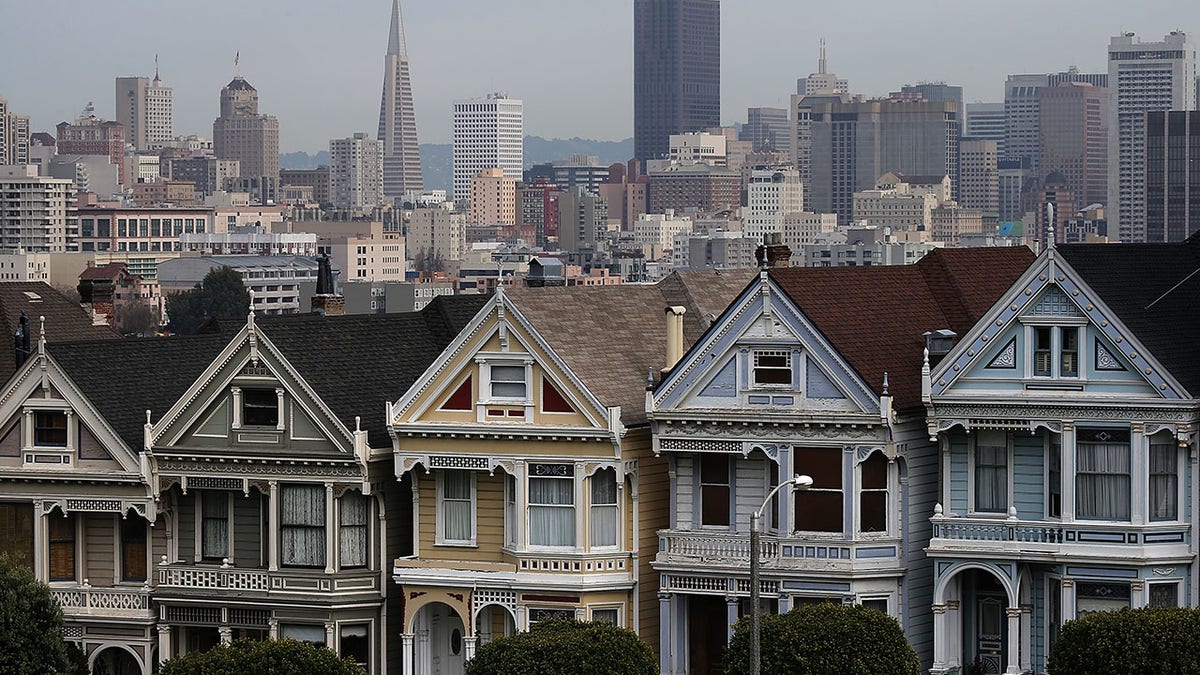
(318, 64)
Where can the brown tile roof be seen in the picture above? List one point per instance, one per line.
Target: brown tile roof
(102, 273)
(875, 316)
(66, 321)
(613, 336)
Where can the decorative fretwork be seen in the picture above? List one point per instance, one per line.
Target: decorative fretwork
(249, 617)
(252, 370)
(545, 613)
(334, 469)
(103, 505)
(483, 598)
(72, 632)
(553, 470)
(214, 483)
(684, 583)
(1105, 359)
(1055, 303)
(695, 445)
(458, 462)
(1007, 358)
(101, 599)
(200, 615)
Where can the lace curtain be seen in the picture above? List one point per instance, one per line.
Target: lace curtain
(604, 512)
(552, 511)
(352, 530)
(1102, 481)
(302, 525)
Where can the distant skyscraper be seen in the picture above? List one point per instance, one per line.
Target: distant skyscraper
(985, 121)
(1172, 189)
(355, 173)
(1022, 137)
(979, 175)
(397, 117)
(1144, 77)
(822, 81)
(676, 71)
(243, 134)
(489, 133)
(14, 136)
(767, 127)
(144, 106)
(1074, 138)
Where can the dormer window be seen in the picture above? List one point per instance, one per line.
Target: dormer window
(772, 367)
(50, 429)
(260, 408)
(508, 382)
(1055, 351)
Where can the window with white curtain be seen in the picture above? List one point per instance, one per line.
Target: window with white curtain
(991, 472)
(214, 525)
(1102, 474)
(456, 507)
(302, 525)
(511, 523)
(552, 505)
(1164, 479)
(604, 517)
(352, 529)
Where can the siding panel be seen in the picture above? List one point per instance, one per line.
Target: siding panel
(958, 475)
(99, 531)
(1029, 468)
(247, 531)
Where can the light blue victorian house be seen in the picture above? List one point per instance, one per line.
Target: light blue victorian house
(1065, 421)
(817, 372)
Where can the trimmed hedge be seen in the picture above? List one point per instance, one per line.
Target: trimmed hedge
(825, 638)
(270, 657)
(1148, 640)
(566, 647)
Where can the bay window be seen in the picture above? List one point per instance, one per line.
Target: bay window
(214, 525)
(456, 506)
(991, 472)
(552, 505)
(1164, 479)
(1054, 481)
(133, 548)
(821, 508)
(603, 516)
(16, 532)
(1102, 474)
(352, 529)
(714, 490)
(872, 497)
(1091, 597)
(62, 548)
(302, 525)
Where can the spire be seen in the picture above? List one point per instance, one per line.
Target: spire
(821, 62)
(396, 36)
(157, 81)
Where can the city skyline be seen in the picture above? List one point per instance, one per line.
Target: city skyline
(591, 95)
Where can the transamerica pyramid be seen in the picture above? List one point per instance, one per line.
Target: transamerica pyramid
(397, 118)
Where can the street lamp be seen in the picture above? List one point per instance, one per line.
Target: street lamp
(797, 482)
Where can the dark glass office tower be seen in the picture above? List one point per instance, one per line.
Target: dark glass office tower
(676, 71)
(1172, 176)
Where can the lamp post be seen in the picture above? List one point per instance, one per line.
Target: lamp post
(797, 482)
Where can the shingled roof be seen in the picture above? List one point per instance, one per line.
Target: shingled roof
(613, 336)
(875, 317)
(1155, 291)
(355, 364)
(66, 321)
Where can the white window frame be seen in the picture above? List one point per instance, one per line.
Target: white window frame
(1056, 324)
(1177, 583)
(784, 351)
(616, 505)
(337, 635)
(201, 495)
(1049, 444)
(971, 446)
(440, 534)
(889, 490)
(619, 608)
(577, 500)
(1180, 492)
(887, 598)
(64, 456)
(486, 363)
(1133, 471)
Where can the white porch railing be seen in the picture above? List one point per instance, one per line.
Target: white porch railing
(1033, 536)
(91, 600)
(718, 549)
(290, 581)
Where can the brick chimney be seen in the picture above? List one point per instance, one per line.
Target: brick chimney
(327, 300)
(773, 252)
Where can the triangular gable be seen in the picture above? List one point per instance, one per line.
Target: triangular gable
(999, 352)
(499, 332)
(716, 371)
(96, 441)
(203, 416)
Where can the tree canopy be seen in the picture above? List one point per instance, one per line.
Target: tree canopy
(30, 624)
(562, 646)
(270, 657)
(221, 295)
(1148, 640)
(825, 638)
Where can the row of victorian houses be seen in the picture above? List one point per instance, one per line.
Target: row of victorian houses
(998, 444)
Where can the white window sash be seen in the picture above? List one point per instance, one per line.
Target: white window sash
(456, 513)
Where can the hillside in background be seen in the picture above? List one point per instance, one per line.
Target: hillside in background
(437, 167)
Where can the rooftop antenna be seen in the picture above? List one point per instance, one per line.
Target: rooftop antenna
(821, 62)
(237, 72)
(156, 78)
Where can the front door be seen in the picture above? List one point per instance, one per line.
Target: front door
(989, 634)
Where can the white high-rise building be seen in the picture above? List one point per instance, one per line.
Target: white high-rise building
(145, 107)
(1142, 77)
(822, 81)
(356, 173)
(489, 133)
(37, 214)
(772, 192)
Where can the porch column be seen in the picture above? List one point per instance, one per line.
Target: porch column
(731, 611)
(273, 628)
(664, 633)
(329, 641)
(406, 640)
(469, 647)
(1138, 595)
(41, 546)
(1026, 638)
(226, 634)
(1067, 474)
(1014, 641)
(164, 643)
(1068, 599)
(939, 640)
(331, 547)
(954, 648)
(273, 526)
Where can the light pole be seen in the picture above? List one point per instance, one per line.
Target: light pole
(797, 482)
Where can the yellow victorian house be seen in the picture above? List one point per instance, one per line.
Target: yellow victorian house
(525, 445)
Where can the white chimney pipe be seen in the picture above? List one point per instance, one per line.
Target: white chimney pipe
(674, 335)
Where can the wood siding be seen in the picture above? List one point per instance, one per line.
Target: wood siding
(489, 520)
(248, 530)
(1029, 475)
(654, 508)
(185, 527)
(918, 499)
(100, 541)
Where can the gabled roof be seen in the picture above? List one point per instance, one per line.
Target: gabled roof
(875, 317)
(1154, 289)
(355, 364)
(612, 337)
(66, 321)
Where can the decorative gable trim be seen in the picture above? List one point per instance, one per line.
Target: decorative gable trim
(1048, 273)
(1104, 359)
(761, 300)
(1006, 359)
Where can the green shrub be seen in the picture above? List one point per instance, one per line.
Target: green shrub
(1149, 640)
(30, 624)
(270, 657)
(825, 638)
(566, 647)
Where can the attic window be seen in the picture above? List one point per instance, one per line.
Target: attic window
(260, 408)
(33, 297)
(50, 429)
(772, 367)
(508, 382)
